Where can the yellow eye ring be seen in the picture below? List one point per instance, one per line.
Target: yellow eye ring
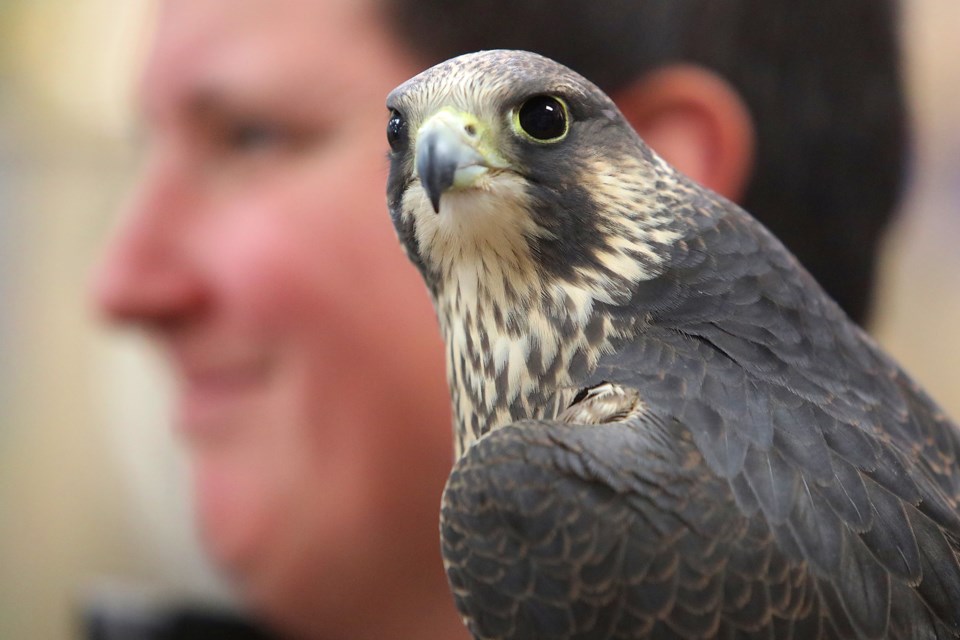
(543, 119)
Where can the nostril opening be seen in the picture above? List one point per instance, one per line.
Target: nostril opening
(471, 130)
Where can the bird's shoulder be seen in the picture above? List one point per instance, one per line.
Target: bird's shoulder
(754, 344)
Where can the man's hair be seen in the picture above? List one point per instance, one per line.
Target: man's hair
(822, 82)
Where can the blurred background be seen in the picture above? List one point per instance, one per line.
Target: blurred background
(93, 500)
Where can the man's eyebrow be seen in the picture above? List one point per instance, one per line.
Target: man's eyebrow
(196, 103)
(209, 103)
(211, 108)
(206, 103)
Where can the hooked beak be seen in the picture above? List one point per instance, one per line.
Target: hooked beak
(448, 154)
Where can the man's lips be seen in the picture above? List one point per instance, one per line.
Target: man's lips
(213, 397)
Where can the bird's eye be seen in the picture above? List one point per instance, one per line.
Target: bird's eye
(396, 131)
(542, 118)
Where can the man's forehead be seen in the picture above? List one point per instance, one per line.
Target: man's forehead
(246, 50)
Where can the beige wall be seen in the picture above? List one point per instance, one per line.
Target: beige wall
(91, 487)
(919, 310)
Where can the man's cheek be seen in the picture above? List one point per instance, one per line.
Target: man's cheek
(257, 256)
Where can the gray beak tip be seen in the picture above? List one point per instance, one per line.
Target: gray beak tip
(437, 162)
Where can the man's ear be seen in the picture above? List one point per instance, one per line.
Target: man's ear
(697, 121)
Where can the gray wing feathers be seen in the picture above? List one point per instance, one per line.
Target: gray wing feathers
(546, 527)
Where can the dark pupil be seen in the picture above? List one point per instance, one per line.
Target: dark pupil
(543, 118)
(396, 130)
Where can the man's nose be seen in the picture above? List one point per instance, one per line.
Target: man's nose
(147, 274)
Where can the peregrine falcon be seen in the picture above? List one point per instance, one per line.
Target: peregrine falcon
(664, 427)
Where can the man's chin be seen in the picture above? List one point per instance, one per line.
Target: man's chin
(231, 512)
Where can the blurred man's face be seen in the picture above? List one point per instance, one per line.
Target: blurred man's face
(259, 254)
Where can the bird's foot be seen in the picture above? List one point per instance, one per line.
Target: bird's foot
(603, 403)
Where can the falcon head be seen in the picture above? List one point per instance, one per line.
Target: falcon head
(509, 159)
